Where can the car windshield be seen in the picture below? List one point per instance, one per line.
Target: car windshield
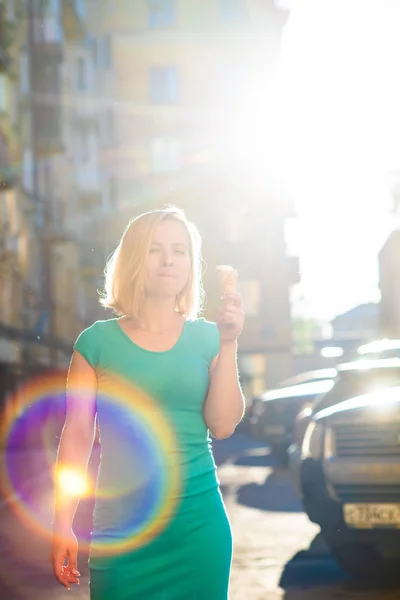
(311, 388)
(308, 377)
(357, 382)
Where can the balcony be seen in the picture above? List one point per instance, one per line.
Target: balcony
(73, 19)
(49, 136)
(5, 58)
(9, 253)
(48, 34)
(8, 172)
(47, 107)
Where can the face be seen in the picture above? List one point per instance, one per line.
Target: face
(168, 264)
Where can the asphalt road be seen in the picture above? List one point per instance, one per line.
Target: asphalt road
(278, 553)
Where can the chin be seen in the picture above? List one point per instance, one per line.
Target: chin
(163, 294)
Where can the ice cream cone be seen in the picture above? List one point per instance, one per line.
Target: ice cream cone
(227, 278)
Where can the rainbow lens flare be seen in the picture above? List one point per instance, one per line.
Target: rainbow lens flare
(138, 483)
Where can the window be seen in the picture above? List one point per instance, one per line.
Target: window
(232, 11)
(3, 92)
(27, 170)
(251, 294)
(10, 10)
(13, 105)
(92, 45)
(81, 74)
(161, 13)
(164, 85)
(23, 72)
(48, 27)
(166, 155)
(103, 52)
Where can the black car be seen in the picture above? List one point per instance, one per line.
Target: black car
(353, 378)
(350, 480)
(274, 412)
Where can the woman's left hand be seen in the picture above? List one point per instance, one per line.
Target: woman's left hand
(230, 318)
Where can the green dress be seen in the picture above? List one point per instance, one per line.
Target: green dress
(160, 527)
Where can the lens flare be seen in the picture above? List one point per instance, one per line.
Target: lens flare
(137, 485)
(72, 482)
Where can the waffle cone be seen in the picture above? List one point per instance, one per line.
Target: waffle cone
(227, 279)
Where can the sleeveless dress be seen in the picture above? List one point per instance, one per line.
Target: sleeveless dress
(160, 529)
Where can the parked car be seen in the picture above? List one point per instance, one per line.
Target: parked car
(308, 377)
(305, 377)
(377, 350)
(274, 412)
(353, 379)
(374, 350)
(350, 482)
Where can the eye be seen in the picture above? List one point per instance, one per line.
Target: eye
(178, 251)
(154, 250)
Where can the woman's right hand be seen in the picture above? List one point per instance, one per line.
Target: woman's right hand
(64, 557)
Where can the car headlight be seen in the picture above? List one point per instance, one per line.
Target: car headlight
(313, 441)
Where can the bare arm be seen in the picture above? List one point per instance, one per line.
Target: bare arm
(224, 406)
(73, 454)
(78, 433)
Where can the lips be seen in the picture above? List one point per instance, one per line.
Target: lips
(167, 276)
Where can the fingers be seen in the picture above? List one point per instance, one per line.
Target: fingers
(59, 571)
(73, 562)
(65, 574)
(229, 313)
(70, 576)
(233, 299)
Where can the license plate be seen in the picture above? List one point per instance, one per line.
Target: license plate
(274, 429)
(368, 516)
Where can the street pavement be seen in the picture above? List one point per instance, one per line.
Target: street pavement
(278, 553)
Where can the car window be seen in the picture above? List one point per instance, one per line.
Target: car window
(374, 351)
(308, 377)
(354, 383)
(311, 388)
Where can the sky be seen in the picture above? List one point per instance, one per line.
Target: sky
(339, 139)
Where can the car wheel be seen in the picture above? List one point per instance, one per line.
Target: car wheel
(364, 561)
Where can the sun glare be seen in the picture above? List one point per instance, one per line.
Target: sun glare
(72, 482)
(340, 125)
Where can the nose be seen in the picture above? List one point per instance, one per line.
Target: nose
(167, 259)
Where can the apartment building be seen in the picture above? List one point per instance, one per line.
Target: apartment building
(39, 275)
(186, 108)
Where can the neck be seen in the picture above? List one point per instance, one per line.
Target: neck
(159, 315)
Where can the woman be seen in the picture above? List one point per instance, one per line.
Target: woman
(160, 527)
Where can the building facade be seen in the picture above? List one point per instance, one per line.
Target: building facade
(186, 110)
(39, 275)
(108, 109)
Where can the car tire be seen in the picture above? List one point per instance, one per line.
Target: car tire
(365, 562)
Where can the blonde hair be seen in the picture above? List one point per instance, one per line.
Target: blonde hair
(124, 287)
